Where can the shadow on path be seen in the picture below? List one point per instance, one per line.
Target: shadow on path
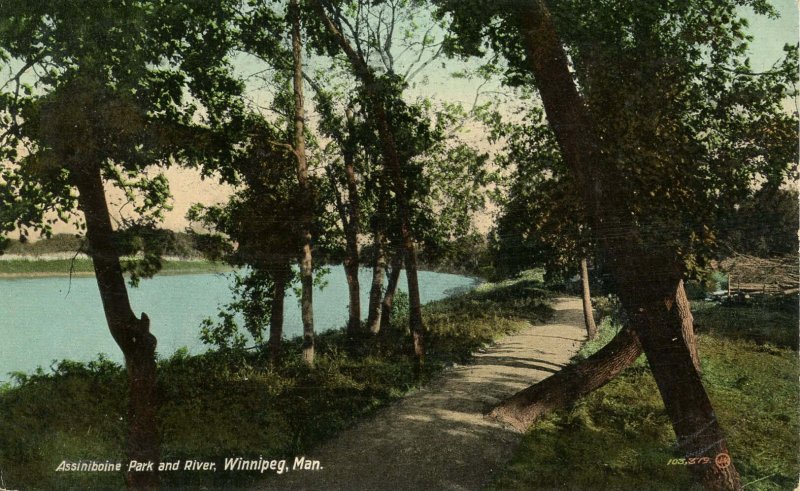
(437, 438)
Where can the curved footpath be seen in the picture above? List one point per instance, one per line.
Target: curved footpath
(437, 437)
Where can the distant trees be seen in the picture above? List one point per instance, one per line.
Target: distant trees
(762, 224)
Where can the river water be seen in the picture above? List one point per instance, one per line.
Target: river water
(55, 318)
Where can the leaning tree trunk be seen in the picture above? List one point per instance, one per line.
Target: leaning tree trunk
(573, 382)
(586, 295)
(306, 261)
(280, 279)
(132, 335)
(648, 281)
(375, 93)
(688, 406)
(374, 315)
(570, 384)
(391, 289)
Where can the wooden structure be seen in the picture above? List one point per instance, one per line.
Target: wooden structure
(754, 275)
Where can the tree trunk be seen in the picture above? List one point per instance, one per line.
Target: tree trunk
(570, 384)
(280, 279)
(132, 335)
(685, 399)
(374, 90)
(391, 289)
(648, 280)
(352, 228)
(588, 316)
(687, 321)
(376, 290)
(306, 261)
(354, 291)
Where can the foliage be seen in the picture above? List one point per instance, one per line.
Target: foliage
(122, 86)
(542, 222)
(682, 120)
(763, 225)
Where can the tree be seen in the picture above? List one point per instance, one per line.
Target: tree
(653, 57)
(346, 165)
(99, 92)
(306, 260)
(264, 219)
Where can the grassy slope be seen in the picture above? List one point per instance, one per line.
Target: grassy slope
(232, 404)
(620, 438)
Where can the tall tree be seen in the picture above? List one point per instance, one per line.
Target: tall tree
(306, 260)
(653, 56)
(99, 93)
(346, 132)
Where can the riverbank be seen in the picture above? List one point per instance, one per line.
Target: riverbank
(233, 403)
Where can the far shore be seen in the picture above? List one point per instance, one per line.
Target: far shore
(57, 265)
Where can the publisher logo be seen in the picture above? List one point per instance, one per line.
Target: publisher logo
(722, 460)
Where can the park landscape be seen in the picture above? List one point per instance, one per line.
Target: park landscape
(453, 244)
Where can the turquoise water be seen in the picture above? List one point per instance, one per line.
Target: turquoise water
(48, 319)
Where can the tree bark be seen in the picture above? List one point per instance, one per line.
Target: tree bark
(306, 260)
(131, 334)
(374, 315)
(570, 384)
(391, 289)
(588, 316)
(373, 89)
(280, 279)
(647, 280)
(352, 228)
(679, 383)
(687, 322)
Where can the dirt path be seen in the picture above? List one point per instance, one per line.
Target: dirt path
(437, 438)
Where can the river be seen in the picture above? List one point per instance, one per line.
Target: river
(54, 318)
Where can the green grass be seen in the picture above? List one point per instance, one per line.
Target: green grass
(619, 437)
(62, 267)
(226, 404)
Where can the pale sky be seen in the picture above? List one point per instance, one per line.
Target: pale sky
(770, 35)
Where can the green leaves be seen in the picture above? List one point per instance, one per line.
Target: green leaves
(685, 127)
(126, 85)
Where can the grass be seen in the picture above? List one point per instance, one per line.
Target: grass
(83, 266)
(619, 437)
(232, 403)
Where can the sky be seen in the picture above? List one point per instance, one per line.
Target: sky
(770, 35)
